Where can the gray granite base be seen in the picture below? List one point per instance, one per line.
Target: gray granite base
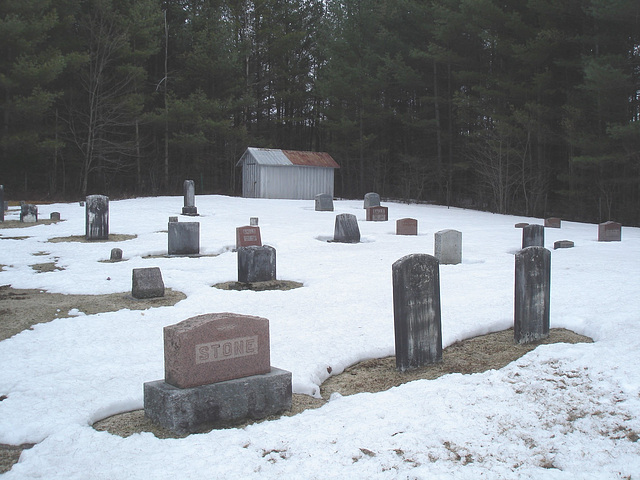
(197, 409)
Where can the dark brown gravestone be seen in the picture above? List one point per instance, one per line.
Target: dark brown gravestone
(214, 348)
(407, 226)
(521, 225)
(248, 236)
(609, 232)
(416, 311)
(563, 244)
(553, 222)
(377, 214)
(532, 294)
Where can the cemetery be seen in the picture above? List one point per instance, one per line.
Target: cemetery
(380, 305)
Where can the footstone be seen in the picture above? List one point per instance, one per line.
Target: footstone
(214, 348)
(532, 294)
(553, 222)
(448, 247)
(189, 190)
(563, 244)
(346, 229)
(28, 213)
(407, 226)
(533, 236)
(324, 202)
(147, 283)
(256, 264)
(253, 221)
(521, 225)
(55, 216)
(97, 217)
(248, 236)
(196, 409)
(116, 254)
(377, 214)
(371, 200)
(609, 232)
(416, 311)
(183, 238)
(2, 205)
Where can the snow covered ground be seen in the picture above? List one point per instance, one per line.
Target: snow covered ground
(560, 412)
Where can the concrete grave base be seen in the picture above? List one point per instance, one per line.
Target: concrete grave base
(196, 409)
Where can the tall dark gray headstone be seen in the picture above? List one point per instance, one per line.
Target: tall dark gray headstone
(184, 238)
(147, 283)
(97, 217)
(1, 203)
(416, 311)
(324, 202)
(533, 236)
(28, 213)
(256, 264)
(371, 199)
(448, 247)
(346, 229)
(532, 294)
(189, 189)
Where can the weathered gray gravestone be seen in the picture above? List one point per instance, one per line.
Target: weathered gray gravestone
(610, 232)
(189, 198)
(217, 371)
(256, 264)
(532, 294)
(346, 229)
(2, 209)
(416, 311)
(55, 216)
(183, 238)
(371, 199)
(147, 283)
(116, 254)
(448, 247)
(533, 236)
(324, 202)
(97, 217)
(562, 244)
(254, 221)
(28, 213)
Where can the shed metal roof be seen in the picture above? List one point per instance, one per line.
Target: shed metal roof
(271, 156)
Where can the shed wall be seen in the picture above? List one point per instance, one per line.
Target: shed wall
(292, 182)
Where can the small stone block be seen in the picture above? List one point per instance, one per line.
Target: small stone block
(147, 283)
(215, 347)
(371, 199)
(324, 202)
(116, 254)
(610, 232)
(377, 214)
(521, 225)
(248, 236)
(55, 216)
(407, 226)
(173, 219)
(563, 244)
(253, 221)
(553, 222)
(190, 211)
(197, 409)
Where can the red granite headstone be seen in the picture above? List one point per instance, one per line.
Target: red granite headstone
(609, 232)
(407, 226)
(248, 236)
(215, 347)
(377, 214)
(553, 222)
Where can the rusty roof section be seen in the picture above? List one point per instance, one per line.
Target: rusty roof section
(310, 159)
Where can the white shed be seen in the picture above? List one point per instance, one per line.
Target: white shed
(271, 173)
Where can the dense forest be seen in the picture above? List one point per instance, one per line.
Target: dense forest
(514, 106)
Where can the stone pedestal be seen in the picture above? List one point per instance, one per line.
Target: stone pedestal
(197, 409)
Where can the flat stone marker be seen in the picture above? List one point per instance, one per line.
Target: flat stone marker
(248, 236)
(610, 232)
(532, 294)
(116, 254)
(97, 217)
(533, 236)
(448, 247)
(55, 216)
(324, 202)
(416, 311)
(563, 244)
(371, 199)
(521, 225)
(377, 214)
(215, 347)
(183, 238)
(253, 221)
(2, 205)
(147, 283)
(189, 190)
(256, 264)
(28, 213)
(553, 222)
(407, 226)
(346, 229)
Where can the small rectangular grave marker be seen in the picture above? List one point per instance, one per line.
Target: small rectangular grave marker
(256, 264)
(416, 311)
(216, 347)
(346, 229)
(610, 232)
(407, 226)
(448, 247)
(116, 256)
(324, 202)
(248, 236)
(563, 244)
(55, 216)
(532, 294)
(183, 238)
(533, 236)
(97, 217)
(377, 214)
(146, 282)
(553, 222)
(253, 221)
(371, 199)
